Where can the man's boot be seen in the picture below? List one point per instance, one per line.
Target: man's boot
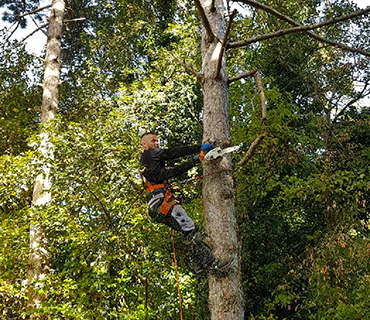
(220, 268)
(202, 255)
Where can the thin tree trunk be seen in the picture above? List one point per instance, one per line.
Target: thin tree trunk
(225, 293)
(38, 257)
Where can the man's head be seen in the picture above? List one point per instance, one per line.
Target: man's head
(149, 140)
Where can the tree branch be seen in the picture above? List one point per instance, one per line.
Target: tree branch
(11, 34)
(224, 41)
(34, 11)
(354, 100)
(243, 75)
(262, 95)
(311, 34)
(205, 22)
(284, 32)
(213, 7)
(249, 154)
(33, 32)
(37, 25)
(74, 20)
(108, 216)
(186, 67)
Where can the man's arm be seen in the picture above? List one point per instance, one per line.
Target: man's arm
(173, 172)
(178, 152)
(157, 172)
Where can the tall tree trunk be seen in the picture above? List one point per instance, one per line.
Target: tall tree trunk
(225, 293)
(38, 257)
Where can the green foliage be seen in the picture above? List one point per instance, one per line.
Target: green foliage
(301, 202)
(108, 260)
(304, 181)
(332, 282)
(16, 177)
(19, 99)
(13, 9)
(339, 278)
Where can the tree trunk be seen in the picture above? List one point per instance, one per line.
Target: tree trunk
(38, 257)
(225, 293)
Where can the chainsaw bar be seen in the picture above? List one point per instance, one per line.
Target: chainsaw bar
(218, 152)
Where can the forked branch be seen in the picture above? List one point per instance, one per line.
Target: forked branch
(284, 32)
(37, 25)
(359, 96)
(205, 22)
(224, 41)
(33, 32)
(311, 34)
(249, 154)
(11, 33)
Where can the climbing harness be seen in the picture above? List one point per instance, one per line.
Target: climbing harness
(168, 202)
(177, 273)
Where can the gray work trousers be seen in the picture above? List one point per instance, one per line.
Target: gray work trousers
(176, 218)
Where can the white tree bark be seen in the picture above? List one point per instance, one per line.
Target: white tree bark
(225, 293)
(38, 257)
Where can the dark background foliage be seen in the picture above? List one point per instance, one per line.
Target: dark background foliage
(301, 202)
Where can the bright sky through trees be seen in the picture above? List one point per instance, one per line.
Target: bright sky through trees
(36, 42)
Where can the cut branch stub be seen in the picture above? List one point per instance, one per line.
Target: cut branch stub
(262, 95)
(213, 7)
(224, 41)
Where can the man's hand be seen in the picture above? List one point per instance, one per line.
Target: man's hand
(206, 147)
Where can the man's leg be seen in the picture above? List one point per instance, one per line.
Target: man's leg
(202, 255)
(202, 252)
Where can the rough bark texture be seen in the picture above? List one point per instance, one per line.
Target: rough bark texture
(225, 293)
(38, 264)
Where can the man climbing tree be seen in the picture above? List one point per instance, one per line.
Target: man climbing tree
(162, 205)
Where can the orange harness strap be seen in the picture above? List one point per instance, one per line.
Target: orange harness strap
(166, 204)
(150, 187)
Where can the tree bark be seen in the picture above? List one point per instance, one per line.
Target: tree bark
(38, 257)
(225, 293)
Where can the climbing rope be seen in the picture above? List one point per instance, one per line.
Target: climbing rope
(195, 180)
(177, 273)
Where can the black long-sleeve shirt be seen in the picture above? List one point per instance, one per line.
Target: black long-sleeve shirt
(155, 159)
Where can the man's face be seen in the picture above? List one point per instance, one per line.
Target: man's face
(150, 141)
